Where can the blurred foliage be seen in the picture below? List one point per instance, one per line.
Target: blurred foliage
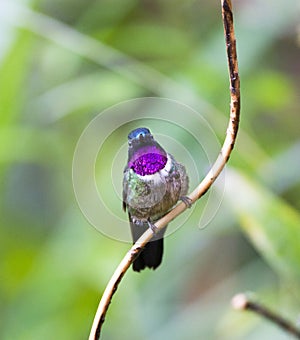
(61, 63)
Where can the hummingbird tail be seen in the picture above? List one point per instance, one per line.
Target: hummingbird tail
(151, 256)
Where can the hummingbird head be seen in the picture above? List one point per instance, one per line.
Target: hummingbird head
(145, 155)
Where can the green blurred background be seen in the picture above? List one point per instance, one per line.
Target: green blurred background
(62, 62)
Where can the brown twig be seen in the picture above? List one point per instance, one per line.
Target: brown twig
(242, 302)
(202, 187)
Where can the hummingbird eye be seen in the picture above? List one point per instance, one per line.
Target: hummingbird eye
(135, 134)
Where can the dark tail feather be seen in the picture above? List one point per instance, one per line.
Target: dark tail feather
(151, 255)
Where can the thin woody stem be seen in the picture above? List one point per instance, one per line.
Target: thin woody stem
(241, 302)
(201, 189)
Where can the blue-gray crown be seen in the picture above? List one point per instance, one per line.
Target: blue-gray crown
(139, 132)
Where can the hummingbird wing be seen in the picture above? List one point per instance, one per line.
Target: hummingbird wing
(125, 187)
(184, 179)
(151, 255)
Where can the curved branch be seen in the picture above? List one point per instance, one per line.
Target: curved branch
(201, 188)
(242, 302)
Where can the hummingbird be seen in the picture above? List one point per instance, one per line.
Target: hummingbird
(153, 183)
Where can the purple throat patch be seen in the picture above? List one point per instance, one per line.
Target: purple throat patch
(149, 164)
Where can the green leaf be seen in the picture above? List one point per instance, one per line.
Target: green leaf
(272, 225)
(13, 72)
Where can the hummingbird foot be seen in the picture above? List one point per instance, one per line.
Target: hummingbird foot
(141, 222)
(152, 227)
(186, 200)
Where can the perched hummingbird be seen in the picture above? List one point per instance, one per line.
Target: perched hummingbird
(153, 183)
